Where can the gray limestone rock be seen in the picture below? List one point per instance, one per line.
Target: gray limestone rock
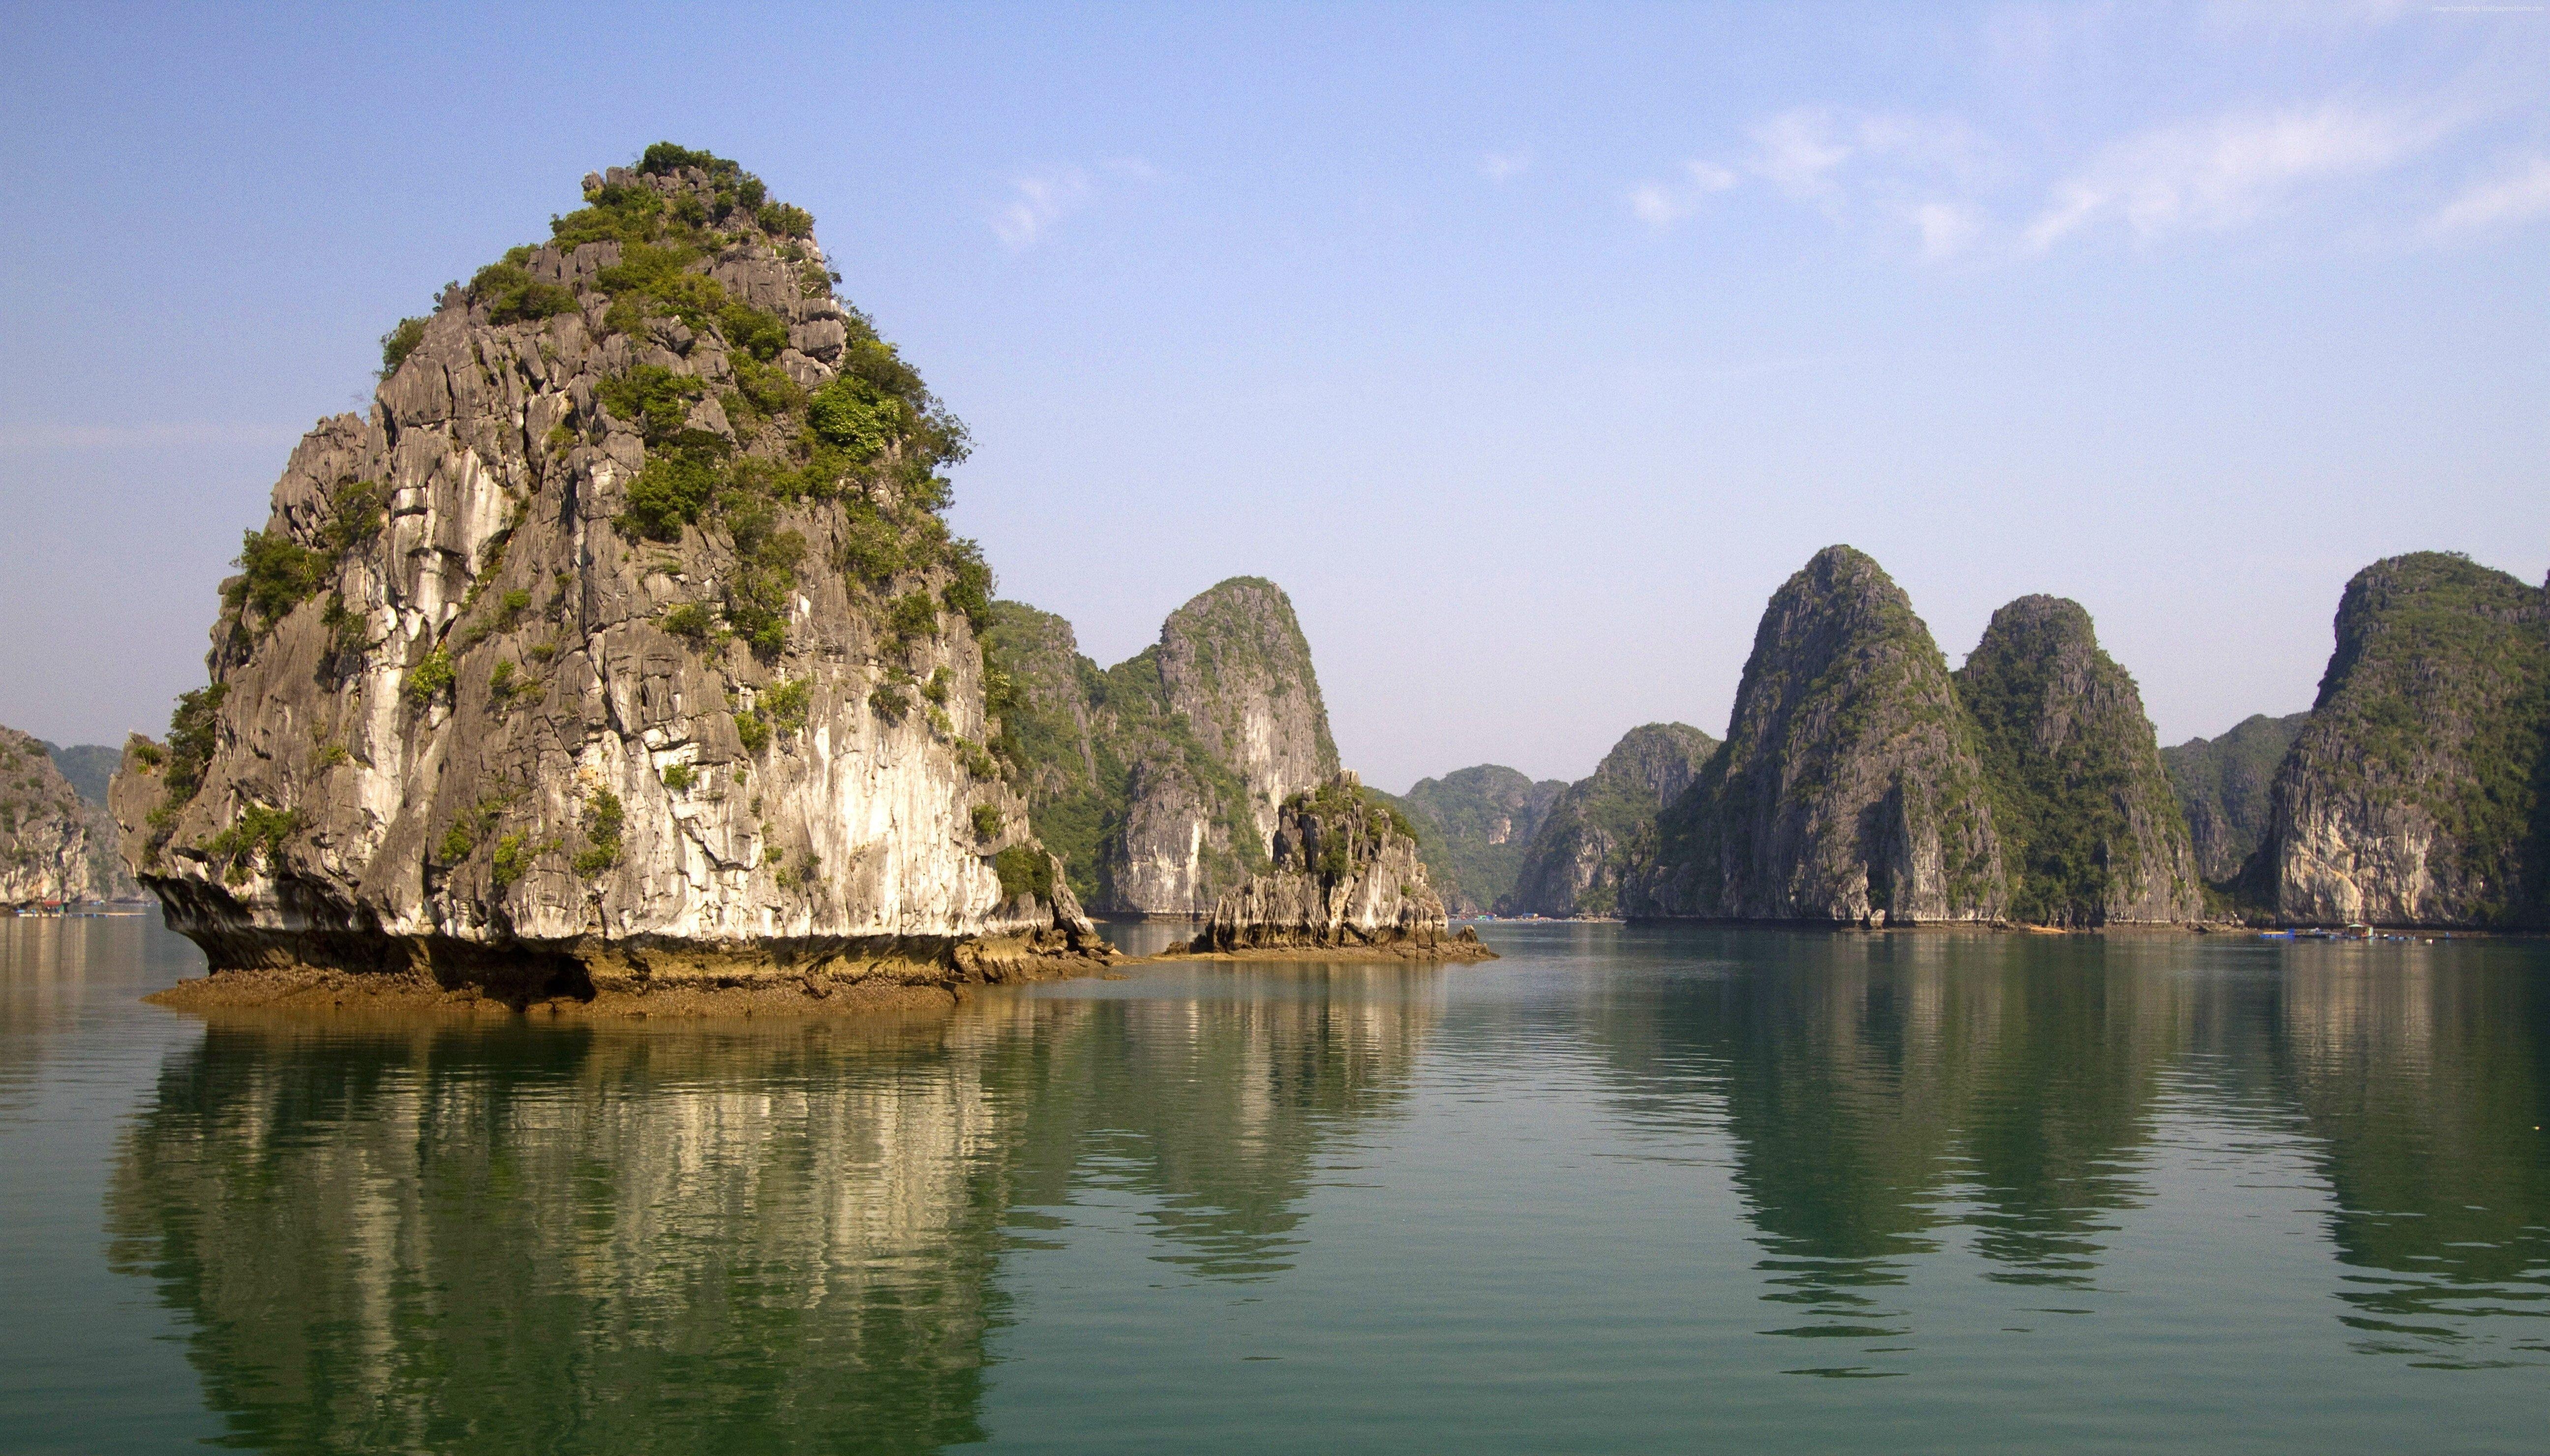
(1346, 877)
(48, 844)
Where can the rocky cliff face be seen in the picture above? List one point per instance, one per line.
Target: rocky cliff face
(1848, 788)
(1347, 877)
(1592, 834)
(1159, 780)
(2224, 786)
(48, 850)
(619, 642)
(1472, 827)
(2090, 832)
(2419, 791)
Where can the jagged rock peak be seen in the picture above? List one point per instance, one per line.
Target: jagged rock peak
(2412, 795)
(1603, 825)
(1848, 788)
(1347, 877)
(622, 640)
(1160, 778)
(1235, 664)
(46, 853)
(2090, 832)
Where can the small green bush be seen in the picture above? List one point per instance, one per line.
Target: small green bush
(753, 730)
(651, 397)
(513, 296)
(887, 700)
(871, 552)
(936, 690)
(1024, 871)
(788, 705)
(679, 777)
(785, 221)
(855, 414)
(356, 512)
(259, 832)
(280, 574)
(912, 617)
(987, 821)
(692, 620)
(398, 344)
(605, 819)
(430, 678)
(970, 592)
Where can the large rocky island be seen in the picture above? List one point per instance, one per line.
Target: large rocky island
(2417, 793)
(620, 649)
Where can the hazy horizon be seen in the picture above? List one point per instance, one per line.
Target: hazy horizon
(1528, 349)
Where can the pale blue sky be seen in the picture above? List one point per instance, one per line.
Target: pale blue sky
(1530, 348)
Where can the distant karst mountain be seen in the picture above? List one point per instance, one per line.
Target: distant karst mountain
(2418, 791)
(1848, 788)
(1473, 825)
(1595, 830)
(2224, 786)
(2091, 831)
(50, 844)
(1158, 781)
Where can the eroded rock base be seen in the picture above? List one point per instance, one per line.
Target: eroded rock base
(1462, 946)
(635, 979)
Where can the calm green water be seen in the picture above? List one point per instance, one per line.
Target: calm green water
(1624, 1190)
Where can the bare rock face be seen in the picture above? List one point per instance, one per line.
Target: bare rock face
(1848, 789)
(2090, 829)
(1158, 781)
(47, 850)
(2415, 795)
(1588, 840)
(1347, 877)
(621, 643)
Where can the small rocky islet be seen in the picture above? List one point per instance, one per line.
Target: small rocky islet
(620, 655)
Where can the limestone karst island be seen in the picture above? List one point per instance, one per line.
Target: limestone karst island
(1345, 728)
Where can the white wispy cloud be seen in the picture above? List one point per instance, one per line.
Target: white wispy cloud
(1947, 228)
(2220, 174)
(1662, 204)
(1040, 200)
(2520, 196)
(1796, 153)
(1498, 167)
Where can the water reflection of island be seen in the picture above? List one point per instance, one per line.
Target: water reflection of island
(2425, 1094)
(775, 1238)
(1881, 1092)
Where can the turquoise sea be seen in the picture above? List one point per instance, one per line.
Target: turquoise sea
(1628, 1189)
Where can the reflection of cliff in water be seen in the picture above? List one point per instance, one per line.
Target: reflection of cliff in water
(1868, 1082)
(775, 1239)
(2424, 1092)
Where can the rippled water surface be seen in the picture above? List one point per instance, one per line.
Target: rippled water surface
(1627, 1189)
